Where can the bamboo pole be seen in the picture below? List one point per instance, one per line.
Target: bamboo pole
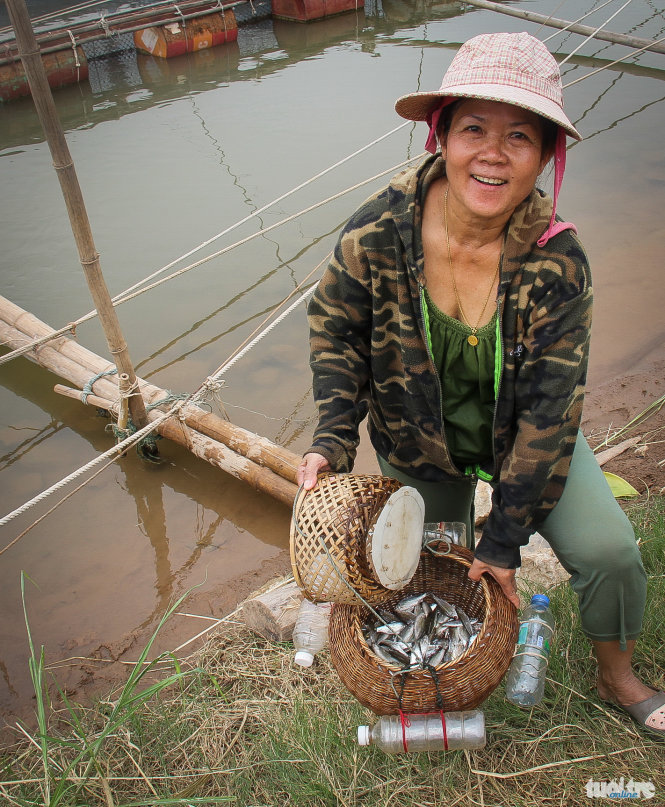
(71, 191)
(232, 448)
(585, 30)
(204, 447)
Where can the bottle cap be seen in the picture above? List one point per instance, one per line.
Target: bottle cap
(363, 735)
(540, 599)
(304, 658)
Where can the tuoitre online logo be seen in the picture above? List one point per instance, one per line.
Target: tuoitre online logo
(620, 789)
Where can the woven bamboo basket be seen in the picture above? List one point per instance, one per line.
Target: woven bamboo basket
(462, 684)
(331, 536)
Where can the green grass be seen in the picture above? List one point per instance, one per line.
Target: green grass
(243, 726)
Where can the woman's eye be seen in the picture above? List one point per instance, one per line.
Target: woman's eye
(521, 136)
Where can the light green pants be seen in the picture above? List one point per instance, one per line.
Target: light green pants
(588, 532)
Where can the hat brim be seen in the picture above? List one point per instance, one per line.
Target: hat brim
(417, 105)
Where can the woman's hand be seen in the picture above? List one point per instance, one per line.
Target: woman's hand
(504, 577)
(310, 467)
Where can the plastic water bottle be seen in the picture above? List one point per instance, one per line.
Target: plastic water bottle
(525, 683)
(454, 532)
(310, 633)
(433, 731)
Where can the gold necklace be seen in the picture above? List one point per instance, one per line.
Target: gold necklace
(472, 339)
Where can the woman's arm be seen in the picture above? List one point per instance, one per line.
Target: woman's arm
(548, 399)
(340, 317)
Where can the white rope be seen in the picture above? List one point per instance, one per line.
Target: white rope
(265, 207)
(119, 448)
(259, 233)
(579, 19)
(126, 295)
(593, 33)
(263, 333)
(616, 61)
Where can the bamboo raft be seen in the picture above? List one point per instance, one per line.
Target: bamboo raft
(264, 465)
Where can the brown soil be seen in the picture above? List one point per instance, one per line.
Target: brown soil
(615, 403)
(608, 408)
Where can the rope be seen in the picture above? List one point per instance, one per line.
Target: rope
(105, 26)
(112, 452)
(611, 64)
(125, 296)
(76, 55)
(209, 384)
(87, 389)
(594, 32)
(264, 333)
(55, 506)
(574, 22)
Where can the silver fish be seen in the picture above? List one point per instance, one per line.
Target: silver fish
(421, 630)
(393, 628)
(383, 654)
(408, 633)
(468, 627)
(419, 626)
(445, 606)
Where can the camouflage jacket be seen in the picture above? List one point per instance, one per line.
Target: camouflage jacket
(369, 354)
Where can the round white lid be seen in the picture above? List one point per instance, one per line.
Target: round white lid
(363, 735)
(396, 538)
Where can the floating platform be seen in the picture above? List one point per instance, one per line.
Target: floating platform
(62, 68)
(306, 10)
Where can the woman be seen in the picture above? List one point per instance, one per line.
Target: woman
(456, 311)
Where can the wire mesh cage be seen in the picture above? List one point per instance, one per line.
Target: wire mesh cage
(461, 684)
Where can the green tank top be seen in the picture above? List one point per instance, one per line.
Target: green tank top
(467, 376)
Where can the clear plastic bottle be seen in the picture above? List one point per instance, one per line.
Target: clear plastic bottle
(433, 731)
(525, 683)
(454, 532)
(310, 633)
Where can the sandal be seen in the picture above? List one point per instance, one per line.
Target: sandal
(649, 714)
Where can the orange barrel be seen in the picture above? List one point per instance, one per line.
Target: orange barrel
(305, 10)
(187, 36)
(62, 67)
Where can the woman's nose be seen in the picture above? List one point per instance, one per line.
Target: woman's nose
(492, 150)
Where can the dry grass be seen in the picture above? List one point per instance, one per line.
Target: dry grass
(246, 727)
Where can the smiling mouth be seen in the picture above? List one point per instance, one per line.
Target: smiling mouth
(488, 180)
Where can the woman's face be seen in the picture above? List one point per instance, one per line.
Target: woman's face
(494, 154)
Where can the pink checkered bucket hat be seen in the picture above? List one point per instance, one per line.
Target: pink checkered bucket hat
(512, 68)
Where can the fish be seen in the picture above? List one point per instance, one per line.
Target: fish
(419, 626)
(393, 627)
(466, 622)
(445, 606)
(422, 630)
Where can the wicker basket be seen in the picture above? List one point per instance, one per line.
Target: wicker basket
(463, 683)
(332, 529)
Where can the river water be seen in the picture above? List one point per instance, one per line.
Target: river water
(171, 153)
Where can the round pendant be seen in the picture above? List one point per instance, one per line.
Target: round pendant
(472, 339)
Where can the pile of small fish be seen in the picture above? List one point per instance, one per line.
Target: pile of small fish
(421, 630)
